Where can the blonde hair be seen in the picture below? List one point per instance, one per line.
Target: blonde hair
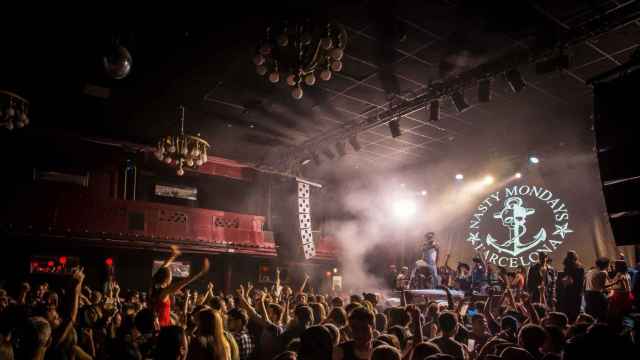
(211, 326)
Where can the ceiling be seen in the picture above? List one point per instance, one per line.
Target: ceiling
(395, 50)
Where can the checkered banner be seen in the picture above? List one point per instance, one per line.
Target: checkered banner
(304, 214)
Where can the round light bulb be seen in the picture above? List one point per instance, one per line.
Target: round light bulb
(199, 162)
(291, 80)
(167, 160)
(297, 93)
(180, 172)
(310, 79)
(274, 77)
(172, 149)
(258, 59)
(185, 151)
(261, 70)
(190, 162)
(325, 74)
(336, 66)
(326, 43)
(336, 54)
(283, 40)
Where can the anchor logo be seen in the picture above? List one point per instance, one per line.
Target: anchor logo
(514, 217)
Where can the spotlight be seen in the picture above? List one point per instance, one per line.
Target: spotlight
(306, 161)
(394, 127)
(404, 208)
(341, 148)
(459, 177)
(434, 111)
(514, 78)
(423, 192)
(327, 274)
(108, 261)
(534, 159)
(488, 180)
(459, 101)
(484, 90)
(316, 159)
(328, 154)
(518, 175)
(335, 270)
(355, 144)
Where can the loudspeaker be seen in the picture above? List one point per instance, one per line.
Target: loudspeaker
(615, 114)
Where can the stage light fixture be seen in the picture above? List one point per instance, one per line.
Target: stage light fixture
(488, 180)
(341, 148)
(459, 101)
(355, 144)
(518, 175)
(423, 192)
(316, 159)
(434, 111)
(484, 90)
(335, 270)
(394, 128)
(403, 208)
(459, 177)
(306, 161)
(534, 159)
(329, 154)
(514, 78)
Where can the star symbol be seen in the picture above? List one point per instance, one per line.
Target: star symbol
(562, 230)
(474, 238)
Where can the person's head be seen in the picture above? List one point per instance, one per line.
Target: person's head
(429, 236)
(162, 277)
(585, 318)
(172, 344)
(350, 307)
(404, 270)
(554, 341)
(398, 316)
(399, 332)
(337, 302)
(145, 321)
(318, 313)
(372, 298)
(36, 337)
(315, 344)
(381, 322)
(532, 337)
(386, 352)
(286, 355)
(237, 319)
(515, 353)
(275, 313)
(558, 319)
(218, 303)
(42, 289)
(355, 298)
(334, 332)
(478, 324)
(577, 329)
(543, 258)
(602, 263)
(509, 323)
(301, 299)
(210, 323)
(303, 316)
(361, 322)
(570, 260)
(424, 349)
(432, 311)
(463, 268)
(338, 317)
(389, 339)
(448, 323)
(620, 267)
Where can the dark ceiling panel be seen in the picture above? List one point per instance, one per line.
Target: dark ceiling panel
(622, 38)
(589, 71)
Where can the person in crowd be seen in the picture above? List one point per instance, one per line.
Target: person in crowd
(390, 277)
(172, 344)
(595, 296)
(403, 279)
(316, 344)
(570, 286)
(620, 300)
(430, 252)
(541, 281)
(448, 325)
(361, 322)
(210, 340)
(162, 288)
(478, 274)
(463, 278)
(237, 320)
(386, 352)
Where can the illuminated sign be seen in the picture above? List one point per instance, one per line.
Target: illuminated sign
(511, 226)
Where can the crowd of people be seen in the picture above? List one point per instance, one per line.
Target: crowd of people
(524, 320)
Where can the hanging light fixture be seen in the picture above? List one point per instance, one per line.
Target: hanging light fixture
(182, 150)
(14, 110)
(301, 52)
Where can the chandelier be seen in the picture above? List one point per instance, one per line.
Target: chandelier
(301, 51)
(182, 150)
(14, 110)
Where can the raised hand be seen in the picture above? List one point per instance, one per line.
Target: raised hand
(210, 287)
(78, 276)
(175, 250)
(205, 265)
(240, 292)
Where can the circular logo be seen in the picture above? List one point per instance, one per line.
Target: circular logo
(511, 226)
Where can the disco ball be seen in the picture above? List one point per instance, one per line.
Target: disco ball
(118, 63)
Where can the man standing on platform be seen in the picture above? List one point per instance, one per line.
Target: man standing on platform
(430, 250)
